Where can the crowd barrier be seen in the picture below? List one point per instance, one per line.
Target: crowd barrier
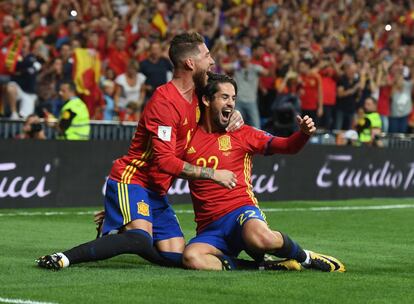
(61, 173)
(100, 130)
(112, 130)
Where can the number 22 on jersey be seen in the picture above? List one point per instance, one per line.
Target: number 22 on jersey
(212, 162)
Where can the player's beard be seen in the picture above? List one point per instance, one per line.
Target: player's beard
(218, 123)
(200, 81)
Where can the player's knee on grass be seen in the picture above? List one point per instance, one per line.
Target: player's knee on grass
(193, 259)
(196, 257)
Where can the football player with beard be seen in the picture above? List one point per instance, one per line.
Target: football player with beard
(138, 216)
(230, 220)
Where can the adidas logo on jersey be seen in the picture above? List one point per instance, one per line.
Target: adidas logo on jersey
(191, 150)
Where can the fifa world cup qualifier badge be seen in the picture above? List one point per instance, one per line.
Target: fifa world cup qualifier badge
(164, 133)
(143, 208)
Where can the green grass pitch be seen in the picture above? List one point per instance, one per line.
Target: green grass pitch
(377, 246)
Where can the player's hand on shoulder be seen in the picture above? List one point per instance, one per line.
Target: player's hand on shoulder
(225, 178)
(236, 121)
(306, 125)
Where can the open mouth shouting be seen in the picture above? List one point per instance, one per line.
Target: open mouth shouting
(225, 115)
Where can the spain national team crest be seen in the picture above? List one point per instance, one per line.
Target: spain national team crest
(224, 143)
(143, 208)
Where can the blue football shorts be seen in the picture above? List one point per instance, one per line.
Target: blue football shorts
(127, 202)
(226, 233)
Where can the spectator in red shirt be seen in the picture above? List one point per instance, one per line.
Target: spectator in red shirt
(95, 42)
(384, 80)
(328, 72)
(7, 36)
(267, 92)
(118, 55)
(6, 39)
(6, 33)
(311, 91)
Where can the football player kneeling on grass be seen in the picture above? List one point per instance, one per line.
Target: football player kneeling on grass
(229, 220)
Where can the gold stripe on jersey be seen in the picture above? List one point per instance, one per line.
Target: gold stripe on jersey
(121, 201)
(130, 170)
(188, 139)
(127, 171)
(148, 150)
(151, 152)
(249, 190)
(145, 156)
(247, 174)
(138, 164)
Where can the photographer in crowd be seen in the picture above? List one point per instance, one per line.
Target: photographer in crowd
(32, 128)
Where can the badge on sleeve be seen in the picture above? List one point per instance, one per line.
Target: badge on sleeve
(164, 133)
(65, 115)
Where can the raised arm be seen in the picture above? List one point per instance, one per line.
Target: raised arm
(294, 143)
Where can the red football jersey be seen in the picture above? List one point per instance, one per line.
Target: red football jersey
(232, 151)
(309, 97)
(163, 132)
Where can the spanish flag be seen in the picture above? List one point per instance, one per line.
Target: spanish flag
(86, 70)
(159, 22)
(86, 75)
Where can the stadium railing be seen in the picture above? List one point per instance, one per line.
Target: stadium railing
(386, 140)
(115, 130)
(100, 130)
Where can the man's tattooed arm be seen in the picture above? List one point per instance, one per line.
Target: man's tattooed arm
(196, 172)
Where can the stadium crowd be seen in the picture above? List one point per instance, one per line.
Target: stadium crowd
(349, 63)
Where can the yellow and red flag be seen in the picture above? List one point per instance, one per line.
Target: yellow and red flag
(9, 59)
(86, 75)
(160, 23)
(86, 69)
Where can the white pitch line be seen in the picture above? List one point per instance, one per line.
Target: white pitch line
(48, 213)
(341, 208)
(338, 208)
(20, 301)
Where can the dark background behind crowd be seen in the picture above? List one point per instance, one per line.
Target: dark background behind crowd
(337, 61)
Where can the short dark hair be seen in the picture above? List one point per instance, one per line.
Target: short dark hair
(212, 86)
(69, 83)
(184, 45)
